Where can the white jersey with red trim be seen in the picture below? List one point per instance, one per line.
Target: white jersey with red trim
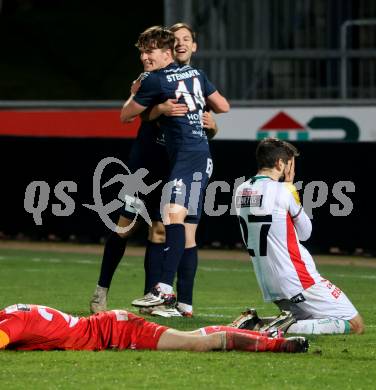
(273, 222)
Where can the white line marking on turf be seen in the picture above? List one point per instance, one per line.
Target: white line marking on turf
(226, 307)
(213, 315)
(2, 257)
(33, 270)
(214, 269)
(355, 276)
(53, 260)
(84, 262)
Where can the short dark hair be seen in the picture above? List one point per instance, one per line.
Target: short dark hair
(156, 37)
(180, 25)
(270, 150)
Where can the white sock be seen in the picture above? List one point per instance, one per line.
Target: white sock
(165, 288)
(184, 307)
(321, 326)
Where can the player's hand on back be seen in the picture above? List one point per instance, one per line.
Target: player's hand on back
(171, 107)
(207, 120)
(209, 124)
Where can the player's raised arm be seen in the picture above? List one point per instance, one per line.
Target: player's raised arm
(218, 103)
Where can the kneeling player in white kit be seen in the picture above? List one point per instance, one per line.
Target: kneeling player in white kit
(273, 222)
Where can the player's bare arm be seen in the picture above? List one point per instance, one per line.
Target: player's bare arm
(135, 86)
(170, 107)
(218, 103)
(130, 110)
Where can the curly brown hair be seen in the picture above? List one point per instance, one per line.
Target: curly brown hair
(156, 37)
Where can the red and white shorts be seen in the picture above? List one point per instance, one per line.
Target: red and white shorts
(135, 332)
(324, 300)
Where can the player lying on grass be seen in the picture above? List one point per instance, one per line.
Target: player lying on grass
(34, 327)
(273, 223)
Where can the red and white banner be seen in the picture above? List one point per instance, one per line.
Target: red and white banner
(103, 123)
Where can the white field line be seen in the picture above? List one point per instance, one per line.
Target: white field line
(53, 260)
(123, 263)
(33, 269)
(209, 315)
(262, 307)
(218, 269)
(200, 268)
(355, 276)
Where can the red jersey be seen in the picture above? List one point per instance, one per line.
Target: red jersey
(34, 327)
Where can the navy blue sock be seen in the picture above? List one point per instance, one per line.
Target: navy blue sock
(186, 275)
(154, 256)
(147, 267)
(173, 252)
(113, 252)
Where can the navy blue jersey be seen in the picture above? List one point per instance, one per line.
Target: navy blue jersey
(189, 86)
(150, 133)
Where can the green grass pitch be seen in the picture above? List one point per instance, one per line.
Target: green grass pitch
(223, 288)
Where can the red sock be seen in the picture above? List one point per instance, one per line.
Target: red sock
(254, 343)
(223, 328)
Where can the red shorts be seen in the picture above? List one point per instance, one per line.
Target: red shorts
(137, 333)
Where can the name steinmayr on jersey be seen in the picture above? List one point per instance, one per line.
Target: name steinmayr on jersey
(182, 76)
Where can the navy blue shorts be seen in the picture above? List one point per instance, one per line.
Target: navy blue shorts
(187, 182)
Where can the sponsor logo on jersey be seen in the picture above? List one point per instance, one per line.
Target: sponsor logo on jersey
(297, 298)
(249, 201)
(248, 192)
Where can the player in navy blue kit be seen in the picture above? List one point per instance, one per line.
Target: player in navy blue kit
(148, 148)
(186, 143)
